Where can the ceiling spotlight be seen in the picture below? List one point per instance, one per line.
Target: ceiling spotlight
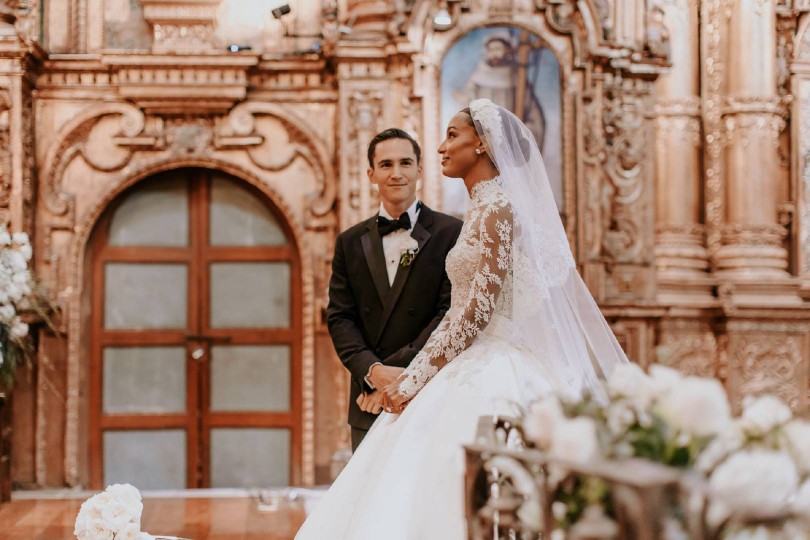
(280, 11)
(442, 18)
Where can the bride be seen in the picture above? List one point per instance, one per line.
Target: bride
(521, 323)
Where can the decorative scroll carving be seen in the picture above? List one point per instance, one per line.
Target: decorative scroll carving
(626, 212)
(688, 346)
(5, 155)
(186, 25)
(772, 364)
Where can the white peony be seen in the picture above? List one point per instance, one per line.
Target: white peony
(696, 406)
(762, 414)
(541, 420)
(629, 381)
(797, 433)
(755, 481)
(575, 440)
(127, 494)
(116, 515)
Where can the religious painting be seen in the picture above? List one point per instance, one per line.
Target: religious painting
(516, 70)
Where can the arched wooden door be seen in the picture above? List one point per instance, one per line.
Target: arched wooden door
(194, 376)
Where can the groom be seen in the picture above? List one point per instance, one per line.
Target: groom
(388, 290)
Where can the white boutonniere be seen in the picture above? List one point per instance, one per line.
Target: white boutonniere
(408, 250)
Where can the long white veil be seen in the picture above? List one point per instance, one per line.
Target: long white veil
(553, 311)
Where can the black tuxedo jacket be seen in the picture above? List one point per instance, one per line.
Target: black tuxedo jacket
(371, 321)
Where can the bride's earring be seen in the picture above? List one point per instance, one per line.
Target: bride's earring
(478, 151)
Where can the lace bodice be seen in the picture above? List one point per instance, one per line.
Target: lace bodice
(479, 267)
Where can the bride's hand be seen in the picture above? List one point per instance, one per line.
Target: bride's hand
(393, 401)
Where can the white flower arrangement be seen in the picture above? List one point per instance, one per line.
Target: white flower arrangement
(756, 463)
(114, 514)
(17, 292)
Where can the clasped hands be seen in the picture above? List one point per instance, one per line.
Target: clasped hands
(386, 396)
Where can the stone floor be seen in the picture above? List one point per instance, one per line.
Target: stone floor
(196, 518)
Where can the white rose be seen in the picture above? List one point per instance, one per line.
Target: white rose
(629, 381)
(663, 378)
(130, 531)
(541, 420)
(754, 481)
(127, 493)
(762, 414)
(20, 238)
(26, 251)
(408, 243)
(696, 406)
(116, 515)
(797, 433)
(575, 440)
(18, 330)
(5, 238)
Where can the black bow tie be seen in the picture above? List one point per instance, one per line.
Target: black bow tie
(387, 226)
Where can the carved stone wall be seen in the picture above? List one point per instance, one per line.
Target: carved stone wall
(659, 121)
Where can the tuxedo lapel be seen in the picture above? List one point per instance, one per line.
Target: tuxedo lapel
(421, 234)
(375, 258)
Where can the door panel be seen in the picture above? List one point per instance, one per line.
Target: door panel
(196, 328)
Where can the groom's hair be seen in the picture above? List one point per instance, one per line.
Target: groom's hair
(392, 133)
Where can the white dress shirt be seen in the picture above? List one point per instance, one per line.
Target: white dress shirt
(392, 242)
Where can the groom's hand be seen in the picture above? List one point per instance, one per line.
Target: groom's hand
(382, 375)
(371, 403)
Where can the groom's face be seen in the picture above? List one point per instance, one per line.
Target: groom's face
(395, 172)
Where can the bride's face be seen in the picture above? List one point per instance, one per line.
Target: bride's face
(458, 148)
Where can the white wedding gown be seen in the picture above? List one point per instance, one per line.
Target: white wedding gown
(405, 481)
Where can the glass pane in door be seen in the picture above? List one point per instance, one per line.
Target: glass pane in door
(250, 457)
(147, 459)
(239, 218)
(140, 296)
(250, 378)
(155, 214)
(250, 295)
(144, 380)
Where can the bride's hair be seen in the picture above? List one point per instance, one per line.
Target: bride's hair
(514, 131)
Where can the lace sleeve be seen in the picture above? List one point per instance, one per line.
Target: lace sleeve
(493, 228)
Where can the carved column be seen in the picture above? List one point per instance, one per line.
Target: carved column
(7, 18)
(680, 246)
(752, 242)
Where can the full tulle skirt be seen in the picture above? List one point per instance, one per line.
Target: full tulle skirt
(405, 481)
